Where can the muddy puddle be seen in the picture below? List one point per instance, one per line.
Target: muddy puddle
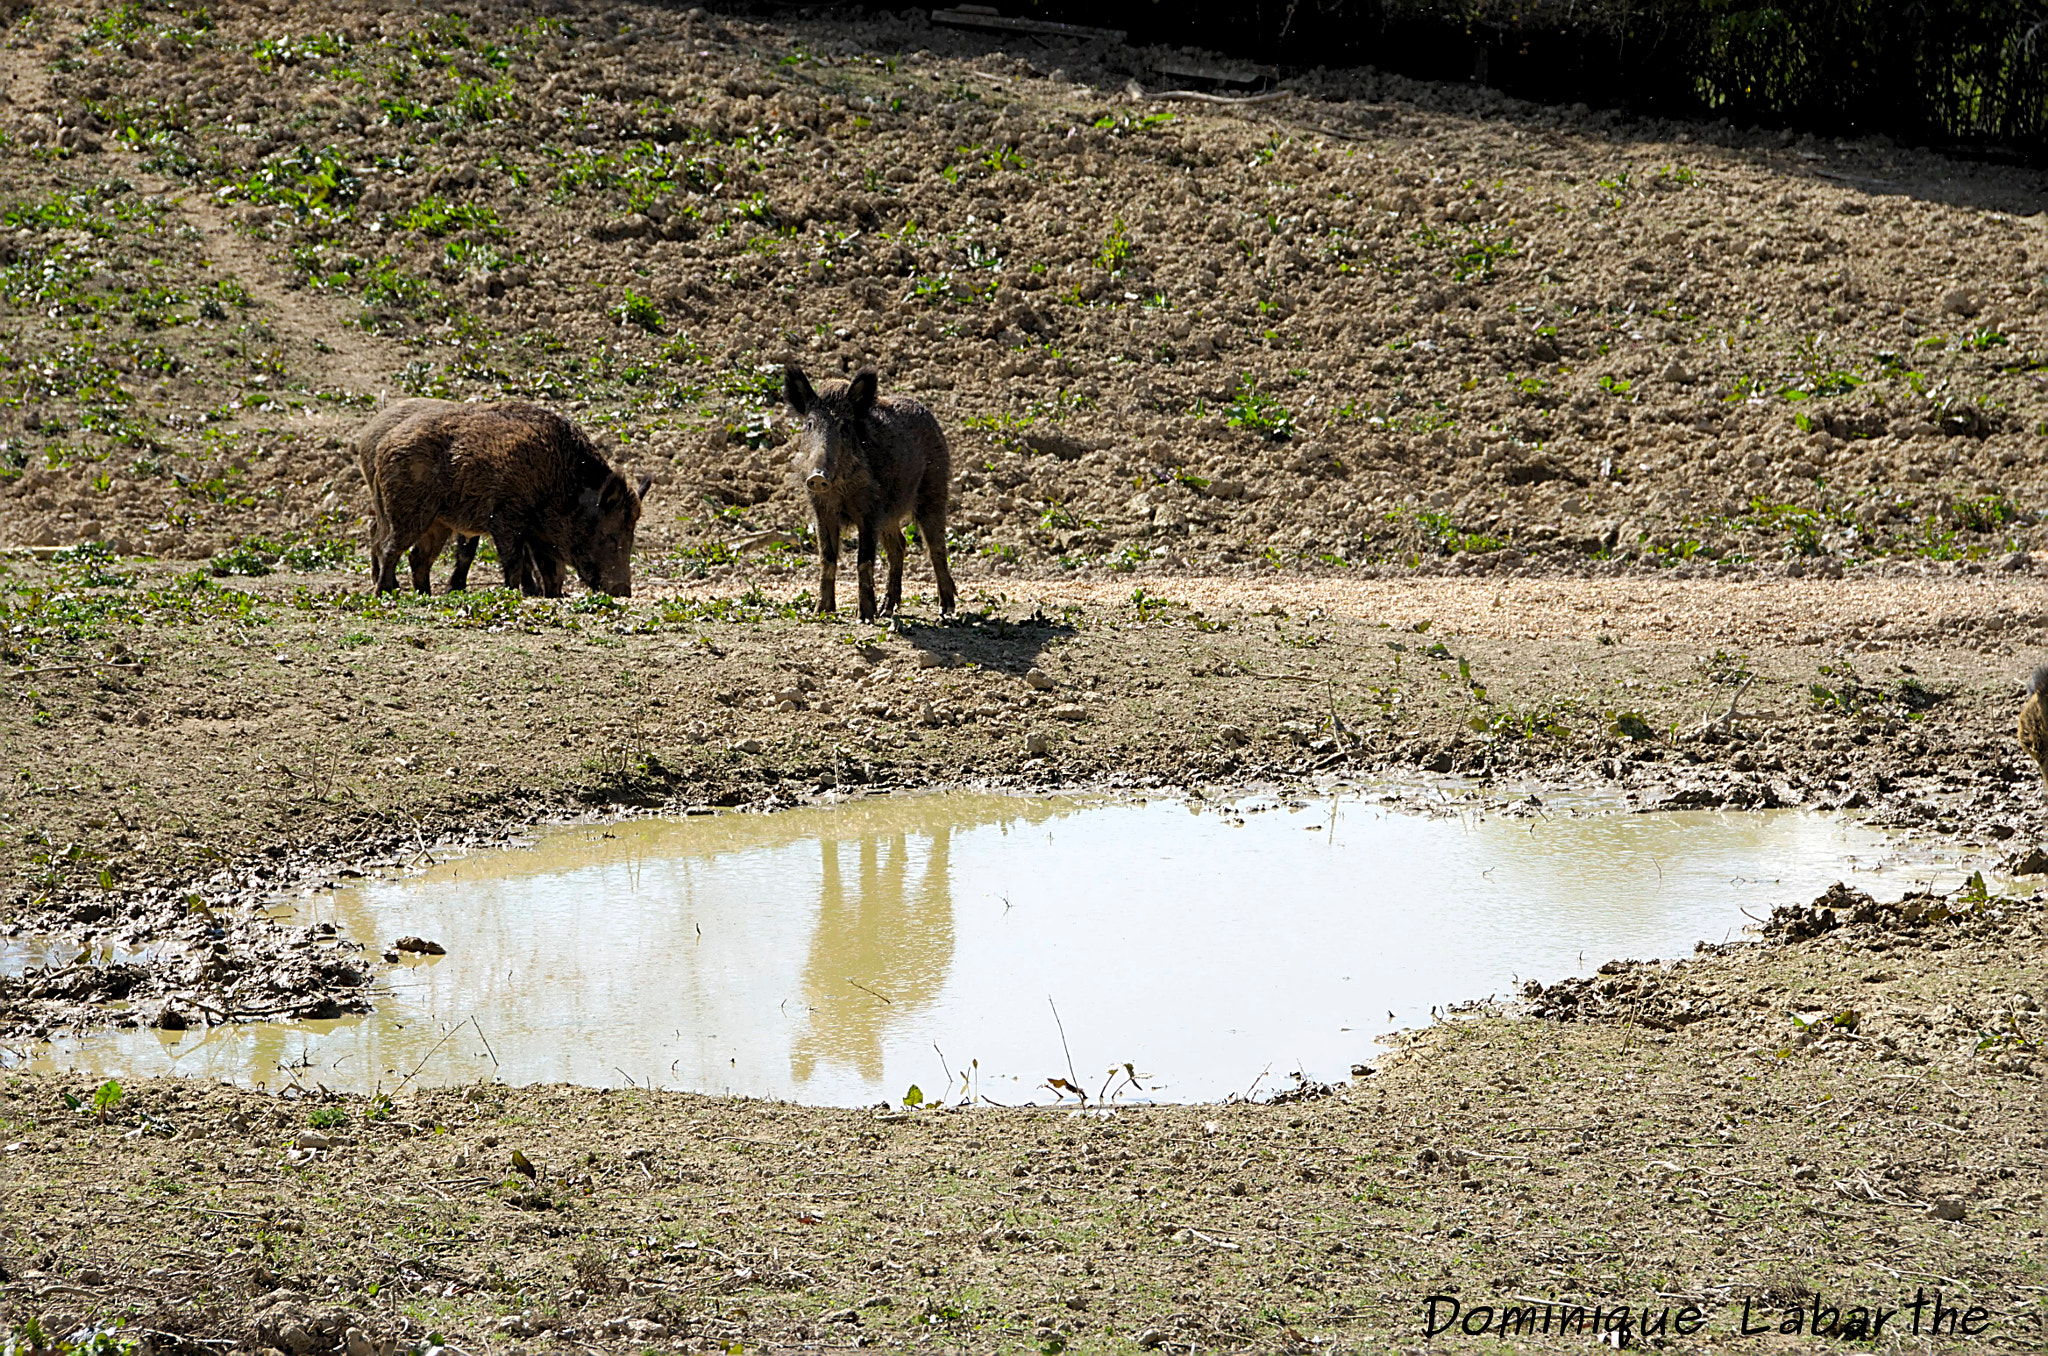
(979, 945)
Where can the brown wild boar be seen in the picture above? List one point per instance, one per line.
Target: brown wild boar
(2034, 721)
(527, 476)
(871, 463)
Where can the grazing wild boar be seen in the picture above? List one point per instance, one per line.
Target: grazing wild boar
(871, 463)
(2034, 721)
(527, 476)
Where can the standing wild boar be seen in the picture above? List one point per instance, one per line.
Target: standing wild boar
(525, 475)
(871, 462)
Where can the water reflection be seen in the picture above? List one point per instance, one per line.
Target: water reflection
(832, 954)
(880, 951)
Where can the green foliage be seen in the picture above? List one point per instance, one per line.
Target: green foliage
(105, 1098)
(1985, 513)
(1253, 409)
(327, 1118)
(436, 216)
(270, 53)
(1116, 249)
(1629, 725)
(1445, 535)
(638, 310)
(1843, 690)
(313, 184)
(258, 556)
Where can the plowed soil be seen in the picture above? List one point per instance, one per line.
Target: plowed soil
(1738, 434)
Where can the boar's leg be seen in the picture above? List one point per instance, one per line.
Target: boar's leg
(516, 555)
(829, 529)
(465, 553)
(893, 547)
(870, 538)
(385, 549)
(932, 527)
(423, 553)
(549, 571)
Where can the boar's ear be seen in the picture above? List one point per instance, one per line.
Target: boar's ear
(645, 482)
(862, 391)
(796, 387)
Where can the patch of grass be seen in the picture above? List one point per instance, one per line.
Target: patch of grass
(435, 216)
(317, 185)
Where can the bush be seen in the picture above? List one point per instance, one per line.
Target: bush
(1939, 70)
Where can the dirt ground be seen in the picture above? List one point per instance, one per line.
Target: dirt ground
(1372, 431)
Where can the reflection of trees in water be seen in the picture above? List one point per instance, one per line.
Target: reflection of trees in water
(881, 951)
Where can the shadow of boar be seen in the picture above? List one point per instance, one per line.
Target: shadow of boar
(525, 476)
(871, 462)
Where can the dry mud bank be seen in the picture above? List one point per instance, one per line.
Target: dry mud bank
(1834, 1127)
(1228, 389)
(1769, 1123)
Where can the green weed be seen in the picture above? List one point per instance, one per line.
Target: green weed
(1253, 409)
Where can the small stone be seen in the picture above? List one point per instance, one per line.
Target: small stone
(2032, 862)
(419, 946)
(843, 1316)
(1037, 743)
(786, 705)
(877, 1302)
(91, 1277)
(312, 1139)
(2018, 560)
(1151, 1339)
(1039, 680)
(1960, 302)
(1947, 1207)
(1233, 735)
(1676, 374)
(747, 746)
(1069, 711)
(645, 1329)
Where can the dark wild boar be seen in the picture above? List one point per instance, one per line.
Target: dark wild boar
(524, 475)
(2034, 721)
(871, 463)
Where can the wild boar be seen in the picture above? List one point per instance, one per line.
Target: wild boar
(2033, 722)
(871, 462)
(526, 476)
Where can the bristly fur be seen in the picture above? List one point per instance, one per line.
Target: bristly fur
(2039, 682)
(525, 475)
